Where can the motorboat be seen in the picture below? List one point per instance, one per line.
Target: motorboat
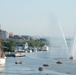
(19, 53)
(46, 65)
(40, 68)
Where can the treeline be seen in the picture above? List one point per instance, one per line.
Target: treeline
(10, 44)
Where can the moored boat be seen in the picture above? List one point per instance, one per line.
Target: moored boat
(20, 53)
(2, 61)
(40, 68)
(2, 54)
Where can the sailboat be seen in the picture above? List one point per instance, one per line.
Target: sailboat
(2, 54)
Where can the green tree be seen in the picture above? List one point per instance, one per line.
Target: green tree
(9, 44)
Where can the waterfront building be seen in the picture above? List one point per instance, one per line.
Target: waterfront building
(26, 46)
(4, 34)
(45, 48)
(21, 46)
(10, 34)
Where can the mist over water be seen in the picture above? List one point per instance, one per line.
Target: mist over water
(57, 39)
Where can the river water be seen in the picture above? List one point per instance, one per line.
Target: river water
(32, 61)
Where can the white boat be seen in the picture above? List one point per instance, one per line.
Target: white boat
(29, 51)
(2, 57)
(2, 61)
(19, 53)
(2, 54)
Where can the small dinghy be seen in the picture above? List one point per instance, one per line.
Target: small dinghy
(59, 62)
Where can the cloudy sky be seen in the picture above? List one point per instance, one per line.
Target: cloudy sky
(38, 17)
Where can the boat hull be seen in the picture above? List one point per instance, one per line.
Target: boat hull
(2, 61)
(19, 54)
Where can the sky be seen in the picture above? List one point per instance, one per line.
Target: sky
(38, 17)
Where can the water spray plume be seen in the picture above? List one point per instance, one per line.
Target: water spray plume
(68, 53)
(73, 52)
